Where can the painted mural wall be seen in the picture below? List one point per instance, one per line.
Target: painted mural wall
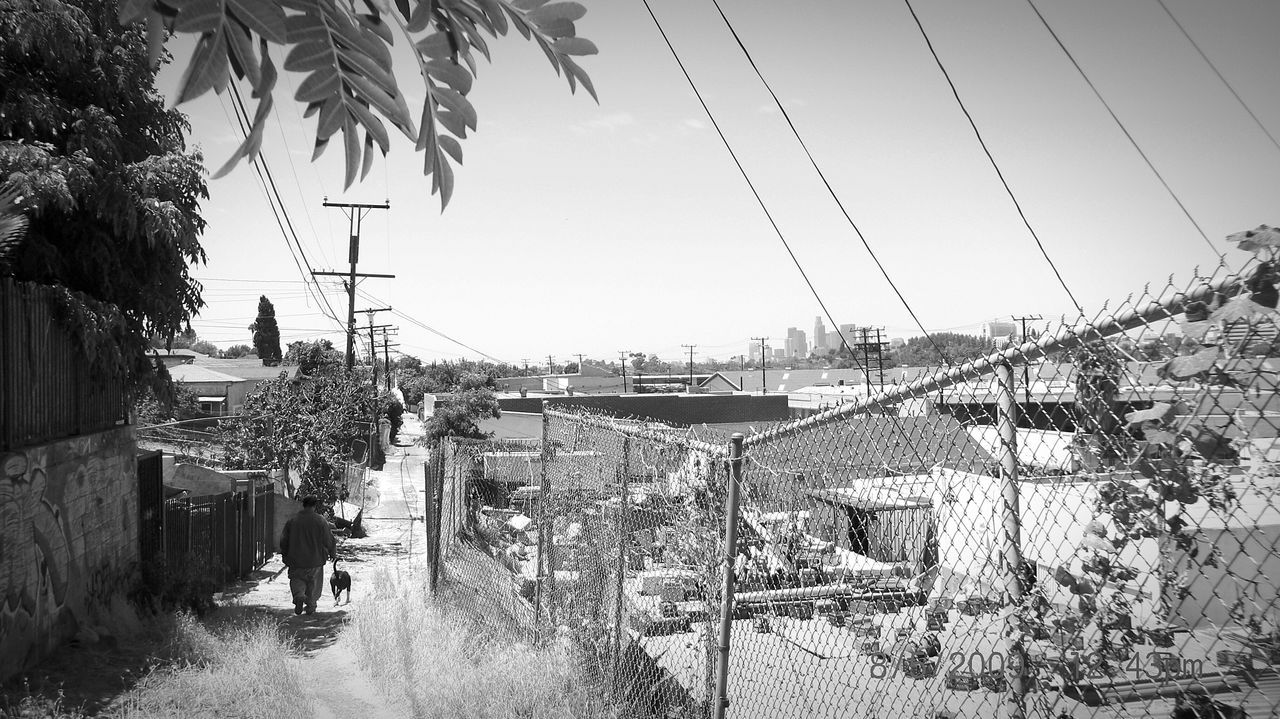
(68, 541)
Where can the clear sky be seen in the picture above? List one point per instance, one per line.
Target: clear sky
(578, 227)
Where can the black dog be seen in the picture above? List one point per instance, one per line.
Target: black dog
(339, 581)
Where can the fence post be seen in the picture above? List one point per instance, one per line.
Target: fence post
(624, 492)
(1011, 536)
(730, 554)
(546, 567)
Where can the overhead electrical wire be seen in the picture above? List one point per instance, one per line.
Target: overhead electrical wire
(747, 178)
(264, 175)
(830, 190)
(1124, 129)
(414, 321)
(1214, 67)
(897, 425)
(995, 165)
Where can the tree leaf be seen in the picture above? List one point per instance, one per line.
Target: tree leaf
(207, 68)
(570, 11)
(459, 104)
(318, 86)
(262, 17)
(450, 74)
(421, 16)
(242, 54)
(575, 46)
(308, 56)
(375, 25)
(1157, 413)
(1188, 367)
(198, 15)
(351, 142)
(367, 164)
(437, 45)
(1256, 239)
(451, 146)
(372, 125)
(445, 177)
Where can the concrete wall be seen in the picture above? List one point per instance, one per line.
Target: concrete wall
(68, 542)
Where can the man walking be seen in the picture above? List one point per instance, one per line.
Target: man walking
(307, 544)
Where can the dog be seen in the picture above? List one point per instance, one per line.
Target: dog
(338, 581)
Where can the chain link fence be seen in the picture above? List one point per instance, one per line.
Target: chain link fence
(1083, 524)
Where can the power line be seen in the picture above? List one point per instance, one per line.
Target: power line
(741, 170)
(1213, 67)
(830, 190)
(414, 321)
(264, 174)
(759, 200)
(1125, 130)
(990, 157)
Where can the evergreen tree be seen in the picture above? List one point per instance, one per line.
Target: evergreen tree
(266, 333)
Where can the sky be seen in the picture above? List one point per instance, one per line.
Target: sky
(578, 227)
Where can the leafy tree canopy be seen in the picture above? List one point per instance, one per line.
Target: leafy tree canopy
(472, 401)
(921, 352)
(317, 357)
(110, 191)
(344, 49)
(236, 351)
(308, 425)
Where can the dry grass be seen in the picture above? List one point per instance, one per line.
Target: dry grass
(238, 666)
(444, 665)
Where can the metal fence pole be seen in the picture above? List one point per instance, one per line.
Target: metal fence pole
(1011, 537)
(623, 471)
(546, 569)
(730, 554)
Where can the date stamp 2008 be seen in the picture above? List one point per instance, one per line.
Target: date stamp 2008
(1156, 665)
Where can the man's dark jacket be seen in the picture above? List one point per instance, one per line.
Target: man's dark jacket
(306, 541)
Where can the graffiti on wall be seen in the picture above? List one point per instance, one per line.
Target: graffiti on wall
(67, 538)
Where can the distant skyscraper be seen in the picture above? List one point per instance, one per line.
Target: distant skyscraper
(851, 333)
(819, 334)
(796, 345)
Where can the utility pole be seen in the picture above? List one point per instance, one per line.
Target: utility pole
(690, 364)
(373, 348)
(551, 368)
(764, 360)
(355, 213)
(525, 360)
(579, 354)
(386, 357)
(622, 358)
(1026, 374)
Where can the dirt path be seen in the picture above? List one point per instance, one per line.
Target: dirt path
(396, 540)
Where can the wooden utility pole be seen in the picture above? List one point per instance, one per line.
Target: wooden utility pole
(690, 364)
(1026, 373)
(551, 368)
(764, 383)
(355, 213)
(622, 358)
